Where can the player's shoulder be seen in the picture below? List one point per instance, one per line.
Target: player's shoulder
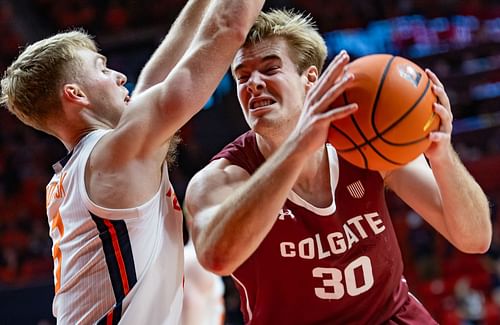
(220, 171)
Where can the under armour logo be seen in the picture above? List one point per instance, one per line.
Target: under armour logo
(285, 213)
(356, 190)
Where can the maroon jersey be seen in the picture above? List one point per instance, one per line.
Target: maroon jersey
(335, 265)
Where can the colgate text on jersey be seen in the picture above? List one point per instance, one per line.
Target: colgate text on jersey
(338, 242)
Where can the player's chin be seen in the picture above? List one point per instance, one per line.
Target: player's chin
(263, 126)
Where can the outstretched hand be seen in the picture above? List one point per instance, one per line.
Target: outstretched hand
(441, 139)
(312, 128)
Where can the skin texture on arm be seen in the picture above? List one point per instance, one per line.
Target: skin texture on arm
(232, 211)
(171, 103)
(173, 46)
(446, 196)
(125, 166)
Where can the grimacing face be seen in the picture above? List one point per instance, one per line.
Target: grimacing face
(270, 90)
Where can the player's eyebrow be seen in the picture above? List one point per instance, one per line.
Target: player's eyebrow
(265, 59)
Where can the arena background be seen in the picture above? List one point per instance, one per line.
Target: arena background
(459, 40)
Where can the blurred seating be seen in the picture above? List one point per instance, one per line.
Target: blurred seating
(433, 270)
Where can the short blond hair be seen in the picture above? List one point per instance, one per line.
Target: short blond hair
(307, 46)
(30, 85)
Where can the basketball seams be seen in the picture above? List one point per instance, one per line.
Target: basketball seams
(379, 91)
(369, 143)
(379, 135)
(355, 146)
(361, 129)
(346, 102)
(374, 107)
(402, 117)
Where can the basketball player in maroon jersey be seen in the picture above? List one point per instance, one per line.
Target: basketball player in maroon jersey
(307, 236)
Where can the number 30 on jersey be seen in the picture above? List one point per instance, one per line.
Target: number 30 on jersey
(336, 283)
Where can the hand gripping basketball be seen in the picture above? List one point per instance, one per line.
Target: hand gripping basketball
(395, 115)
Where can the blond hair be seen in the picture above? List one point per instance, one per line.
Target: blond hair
(307, 46)
(30, 86)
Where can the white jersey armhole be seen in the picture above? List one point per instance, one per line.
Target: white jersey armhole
(333, 161)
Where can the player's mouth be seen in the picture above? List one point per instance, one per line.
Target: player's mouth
(257, 104)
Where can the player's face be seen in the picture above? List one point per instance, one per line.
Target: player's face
(270, 90)
(104, 87)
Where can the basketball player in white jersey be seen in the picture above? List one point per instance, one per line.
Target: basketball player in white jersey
(114, 219)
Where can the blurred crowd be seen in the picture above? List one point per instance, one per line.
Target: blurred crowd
(457, 288)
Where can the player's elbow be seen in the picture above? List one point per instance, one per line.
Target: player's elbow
(478, 243)
(231, 32)
(474, 249)
(236, 18)
(229, 28)
(216, 262)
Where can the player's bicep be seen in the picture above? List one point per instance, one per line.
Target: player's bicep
(210, 187)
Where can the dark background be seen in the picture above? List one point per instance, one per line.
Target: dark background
(459, 40)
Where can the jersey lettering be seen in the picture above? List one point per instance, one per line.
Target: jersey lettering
(56, 191)
(56, 251)
(336, 283)
(354, 230)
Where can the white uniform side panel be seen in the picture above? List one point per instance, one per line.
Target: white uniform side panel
(113, 265)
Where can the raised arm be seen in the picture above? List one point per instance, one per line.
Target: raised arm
(124, 168)
(446, 196)
(173, 46)
(157, 113)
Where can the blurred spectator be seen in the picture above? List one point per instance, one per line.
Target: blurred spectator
(26, 156)
(116, 18)
(470, 303)
(421, 240)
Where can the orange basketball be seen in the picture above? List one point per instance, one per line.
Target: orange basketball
(395, 113)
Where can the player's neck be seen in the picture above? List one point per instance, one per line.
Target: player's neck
(268, 145)
(313, 183)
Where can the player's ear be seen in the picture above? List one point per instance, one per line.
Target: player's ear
(311, 74)
(74, 94)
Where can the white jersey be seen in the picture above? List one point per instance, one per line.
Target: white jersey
(113, 265)
(203, 292)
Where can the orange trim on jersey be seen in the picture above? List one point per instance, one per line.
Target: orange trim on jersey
(56, 253)
(55, 190)
(57, 271)
(119, 257)
(109, 318)
(57, 223)
(175, 202)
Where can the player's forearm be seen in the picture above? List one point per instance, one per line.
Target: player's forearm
(233, 230)
(465, 205)
(173, 46)
(193, 80)
(196, 76)
(230, 17)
